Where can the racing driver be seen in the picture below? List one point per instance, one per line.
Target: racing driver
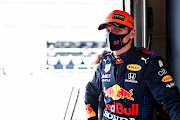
(132, 79)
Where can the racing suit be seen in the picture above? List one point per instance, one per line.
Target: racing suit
(132, 84)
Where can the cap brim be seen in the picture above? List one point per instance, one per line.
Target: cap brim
(117, 25)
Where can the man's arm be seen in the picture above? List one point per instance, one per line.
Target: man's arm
(92, 92)
(163, 88)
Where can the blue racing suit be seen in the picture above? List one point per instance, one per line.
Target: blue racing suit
(132, 84)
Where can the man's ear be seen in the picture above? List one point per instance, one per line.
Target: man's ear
(132, 33)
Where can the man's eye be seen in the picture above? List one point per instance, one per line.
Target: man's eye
(118, 30)
(107, 30)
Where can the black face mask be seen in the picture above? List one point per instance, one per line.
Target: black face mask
(114, 42)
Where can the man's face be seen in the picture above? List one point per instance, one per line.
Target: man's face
(118, 31)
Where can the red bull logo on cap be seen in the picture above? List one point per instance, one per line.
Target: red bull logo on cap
(116, 92)
(90, 112)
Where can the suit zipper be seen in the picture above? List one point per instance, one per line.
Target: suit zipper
(117, 78)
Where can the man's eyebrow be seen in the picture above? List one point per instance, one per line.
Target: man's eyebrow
(118, 28)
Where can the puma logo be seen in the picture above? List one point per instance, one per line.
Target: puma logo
(104, 60)
(145, 60)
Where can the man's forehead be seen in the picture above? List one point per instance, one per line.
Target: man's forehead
(111, 26)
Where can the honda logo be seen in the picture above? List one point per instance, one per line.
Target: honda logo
(131, 78)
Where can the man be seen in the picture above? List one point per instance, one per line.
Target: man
(132, 79)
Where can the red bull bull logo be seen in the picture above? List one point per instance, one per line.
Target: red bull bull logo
(90, 112)
(119, 108)
(119, 61)
(116, 92)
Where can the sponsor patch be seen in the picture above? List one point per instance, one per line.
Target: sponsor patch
(119, 61)
(162, 72)
(104, 60)
(90, 112)
(107, 67)
(116, 92)
(144, 59)
(117, 16)
(105, 80)
(131, 78)
(133, 110)
(160, 63)
(111, 116)
(170, 85)
(106, 76)
(116, 24)
(131, 22)
(134, 67)
(167, 78)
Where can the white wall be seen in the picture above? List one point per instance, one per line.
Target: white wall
(26, 25)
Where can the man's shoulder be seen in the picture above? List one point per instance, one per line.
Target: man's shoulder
(108, 55)
(107, 59)
(145, 52)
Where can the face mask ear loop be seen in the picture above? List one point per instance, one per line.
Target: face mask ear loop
(107, 40)
(121, 40)
(128, 41)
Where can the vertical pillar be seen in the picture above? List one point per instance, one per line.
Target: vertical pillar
(173, 39)
(139, 13)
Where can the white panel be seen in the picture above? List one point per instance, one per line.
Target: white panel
(62, 1)
(127, 5)
(25, 25)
